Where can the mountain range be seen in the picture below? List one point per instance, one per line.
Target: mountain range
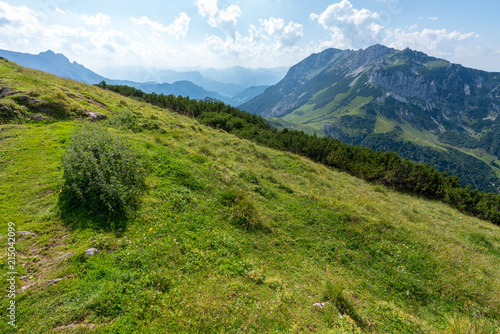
(227, 82)
(423, 108)
(222, 233)
(233, 86)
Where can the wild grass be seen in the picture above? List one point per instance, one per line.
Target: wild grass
(230, 237)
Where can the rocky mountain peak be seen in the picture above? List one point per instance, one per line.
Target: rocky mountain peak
(49, 54)
(372, 55)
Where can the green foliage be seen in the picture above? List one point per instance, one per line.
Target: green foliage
(7, 113)
(469, 169)
(183, 265)
(249, 176)
(461, 325)
(242, 210)
(102, 175)
(379, 189)
(385, 168)
(334, 293)
(125, 120)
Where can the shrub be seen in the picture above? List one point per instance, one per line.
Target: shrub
(125, 120)
(7, 113)
(102, 175)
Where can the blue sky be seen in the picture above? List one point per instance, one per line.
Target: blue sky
(248, 33)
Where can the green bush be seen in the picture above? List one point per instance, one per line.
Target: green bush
(102, 174)
(125, 120)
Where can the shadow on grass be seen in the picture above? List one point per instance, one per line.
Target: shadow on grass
(76, 217)
(334, 293)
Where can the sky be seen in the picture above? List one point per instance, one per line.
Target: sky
(249, 33)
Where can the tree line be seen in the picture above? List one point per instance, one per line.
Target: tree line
(385, 168)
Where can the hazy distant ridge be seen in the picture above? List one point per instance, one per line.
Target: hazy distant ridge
(222, 85)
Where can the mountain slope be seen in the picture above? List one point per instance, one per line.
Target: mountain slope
(445, 114)
(227, 82)
(60, 65)
(53, 63)
(187, 260)
(248, 94)
(182, 88)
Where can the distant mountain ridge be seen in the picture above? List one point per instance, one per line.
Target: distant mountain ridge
(190, 83)
(422, 107)
(229, 81)
(54, 63)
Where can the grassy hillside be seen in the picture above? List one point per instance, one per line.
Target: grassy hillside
(229, 236)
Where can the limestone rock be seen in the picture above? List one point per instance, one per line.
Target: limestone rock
(95, 116)
(52, 281)
(25, 233)
(91, 251)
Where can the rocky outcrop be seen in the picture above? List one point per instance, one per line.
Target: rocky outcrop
(94, 116)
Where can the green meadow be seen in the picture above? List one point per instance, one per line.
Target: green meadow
(226, 237)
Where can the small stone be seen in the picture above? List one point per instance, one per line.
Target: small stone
(52, 281)
(25, 233)
(48, 191)
(91, 251)
(320, 305)
(24, 288)
(95, 116)
(38, 117)
(64, 256)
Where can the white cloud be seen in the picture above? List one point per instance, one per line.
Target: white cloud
(358, 28)
(287, 35)
(256, 49)
(223, 19)
(436, 42)
(178, 28)
(27, 31)
(17, 21)
(97, 45)
(97, 20)
(207, 7)
(272, 40)
(272, 26)
(292, 33)
(350, 27)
